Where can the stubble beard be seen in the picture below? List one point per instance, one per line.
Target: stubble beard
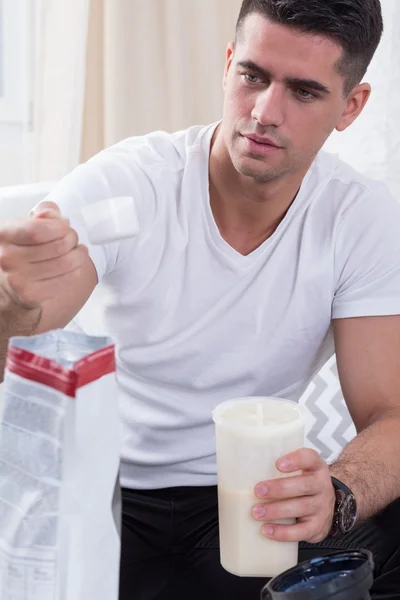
(260, 171)
(263, 174)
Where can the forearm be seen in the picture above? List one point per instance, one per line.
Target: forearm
(14, 320)
(370, 465)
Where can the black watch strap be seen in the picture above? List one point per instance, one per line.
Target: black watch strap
(345, 511)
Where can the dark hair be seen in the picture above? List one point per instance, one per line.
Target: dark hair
(355, 25)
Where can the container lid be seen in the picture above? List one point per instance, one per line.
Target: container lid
(339, 576)
(258, 411)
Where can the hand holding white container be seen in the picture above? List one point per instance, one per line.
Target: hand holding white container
(252, 434)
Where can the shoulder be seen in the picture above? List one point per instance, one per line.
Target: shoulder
(142, 166)
(158, 149)
(346, 194)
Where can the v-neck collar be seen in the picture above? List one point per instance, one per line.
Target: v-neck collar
(223, 246)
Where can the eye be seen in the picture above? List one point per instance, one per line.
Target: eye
(305, 94)
(250, 78)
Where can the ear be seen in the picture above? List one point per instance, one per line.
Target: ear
(355, 103)
(228, 61)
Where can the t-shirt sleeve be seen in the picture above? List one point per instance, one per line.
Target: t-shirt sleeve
(367, 257)
(112, 173)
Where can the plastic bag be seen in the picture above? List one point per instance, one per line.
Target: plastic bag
(59, 463)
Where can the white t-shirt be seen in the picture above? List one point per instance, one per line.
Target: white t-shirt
(195, 322)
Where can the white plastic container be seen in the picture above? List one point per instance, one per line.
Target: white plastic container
(252, 434)
(111, 220)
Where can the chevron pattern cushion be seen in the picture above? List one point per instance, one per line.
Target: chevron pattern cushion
(329, 424)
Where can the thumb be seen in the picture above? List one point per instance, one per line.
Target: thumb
(46, 209)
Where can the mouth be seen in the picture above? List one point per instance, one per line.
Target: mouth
(260, 145)
(264, 141)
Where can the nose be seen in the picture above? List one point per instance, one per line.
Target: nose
(269, 107)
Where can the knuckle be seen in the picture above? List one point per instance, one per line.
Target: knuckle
(308, 485)
(275, 488)
(23, 290)
(269, 512)
(309, 536)
(83, 251)
(82, 254)
(315, 539)
(285, 534)
(72, 260)
(5, 259)
(310, 455)
(28, 297)
(60, 225)
(40, 231)
(54, 229)
(14, 282)
(311, 505)
(283, 510)
(62, 246)
(73, 238)
(34, 233)
(314, 531)
(288, 488)
(66, 263)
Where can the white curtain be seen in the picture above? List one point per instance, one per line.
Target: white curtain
(59, 86)
(372, 143)
(154, 64)
(107, 69)
(15, 90)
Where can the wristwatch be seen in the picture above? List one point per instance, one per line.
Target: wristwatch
(345, 512)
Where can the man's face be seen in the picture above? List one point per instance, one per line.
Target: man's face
(281, 86)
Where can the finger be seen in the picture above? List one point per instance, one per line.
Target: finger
(11, 257)
(61, 265)
(28, 274)
(299, 532)
(47, 214)
(41, 291)
(46, 208)
(24, 232)
(304, 459)
(294, 508)
(54, 249)
(289, 487)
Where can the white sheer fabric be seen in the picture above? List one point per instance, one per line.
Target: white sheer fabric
(59, 87)
(154, 64)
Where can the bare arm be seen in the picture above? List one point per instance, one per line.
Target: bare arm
(368, 359)
(45, 277)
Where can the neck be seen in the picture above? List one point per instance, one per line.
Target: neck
(246, 212)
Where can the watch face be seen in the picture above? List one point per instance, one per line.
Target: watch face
(348, 514)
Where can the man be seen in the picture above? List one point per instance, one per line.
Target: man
(258, 256)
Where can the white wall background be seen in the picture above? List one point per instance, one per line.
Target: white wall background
(16, 75)
(372, 143)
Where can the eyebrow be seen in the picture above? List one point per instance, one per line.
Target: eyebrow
(291, 81)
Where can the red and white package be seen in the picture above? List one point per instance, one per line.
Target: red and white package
(59, 464)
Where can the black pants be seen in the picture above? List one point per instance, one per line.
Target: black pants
(170, 549)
